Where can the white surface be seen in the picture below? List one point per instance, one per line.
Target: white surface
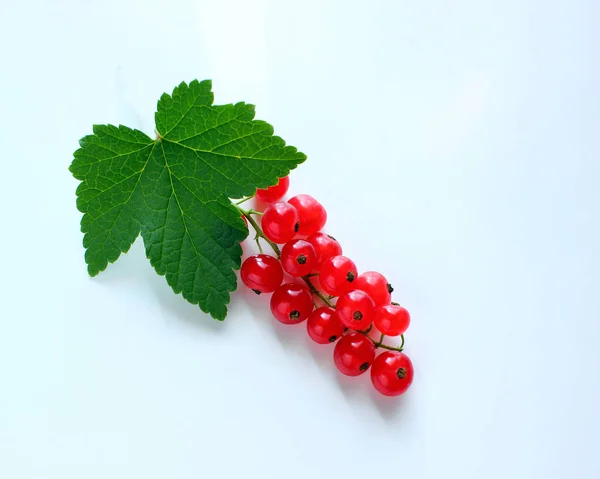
(456, 147)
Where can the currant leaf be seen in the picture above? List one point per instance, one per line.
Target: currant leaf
(175, 190)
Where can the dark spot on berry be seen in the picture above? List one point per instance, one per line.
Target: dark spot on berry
(350, 276)
(295, 314)
(401, 373)
(256, 291)
(332, 339)
(395, 304)
(297, 226)
(332, 237)
(364, 367)
(357, 315)
(301, 259)
(345, 329)
(390, 289)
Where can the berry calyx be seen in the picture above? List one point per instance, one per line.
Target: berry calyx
(298, 258)
(353, 354)
(391, 319)
(324, 325)
(392, 373)
(337, 275)
(261, 273)
(355, 309)
(375, 285)
(280, 222)
(291, 303)
(312, 214)
(275, 192)
(326, 246)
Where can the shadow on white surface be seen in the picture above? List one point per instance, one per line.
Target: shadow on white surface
(134, 269)
(358, 391)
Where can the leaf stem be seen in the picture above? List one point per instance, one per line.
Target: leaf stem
(243, 200)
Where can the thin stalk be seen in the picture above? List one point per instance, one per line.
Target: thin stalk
(316, 292)
(243, 200)
(259, 233)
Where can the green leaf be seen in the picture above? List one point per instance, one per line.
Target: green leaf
(175, 190)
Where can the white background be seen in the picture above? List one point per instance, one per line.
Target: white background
(456, 146)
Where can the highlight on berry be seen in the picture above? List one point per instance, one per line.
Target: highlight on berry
(310, 280)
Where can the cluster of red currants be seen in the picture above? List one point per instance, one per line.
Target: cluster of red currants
(352, 303)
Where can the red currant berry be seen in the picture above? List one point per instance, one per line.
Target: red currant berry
(261, 273)
(291, 303)
(392, 373)
(275, 192)
(391, 319)
(324, 326)
(376, 286)
(312, 214)
(298, 258)
(337, 275)
(353, 354)
(355, 309)
(326, 246)
(280, 222)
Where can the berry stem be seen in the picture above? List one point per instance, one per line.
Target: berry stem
(379, 344)
(392, 348)
(259, 233)
(257, 239)
(365, 331)
(316, 292)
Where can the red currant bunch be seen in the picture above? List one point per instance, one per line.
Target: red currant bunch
(325, 289)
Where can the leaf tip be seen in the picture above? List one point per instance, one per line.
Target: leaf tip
(203, 84)
(92, 271)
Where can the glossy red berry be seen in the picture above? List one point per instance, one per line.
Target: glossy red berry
(376, 286)
(275, 192)
(353, 354)
(355, 309)
(337, 275)
(261, 273)
(291, 303)
(312, 214)
(280, 222)
(324, 325)
(326, 246)
(392, 373)
(298, 258)
(391, 319)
